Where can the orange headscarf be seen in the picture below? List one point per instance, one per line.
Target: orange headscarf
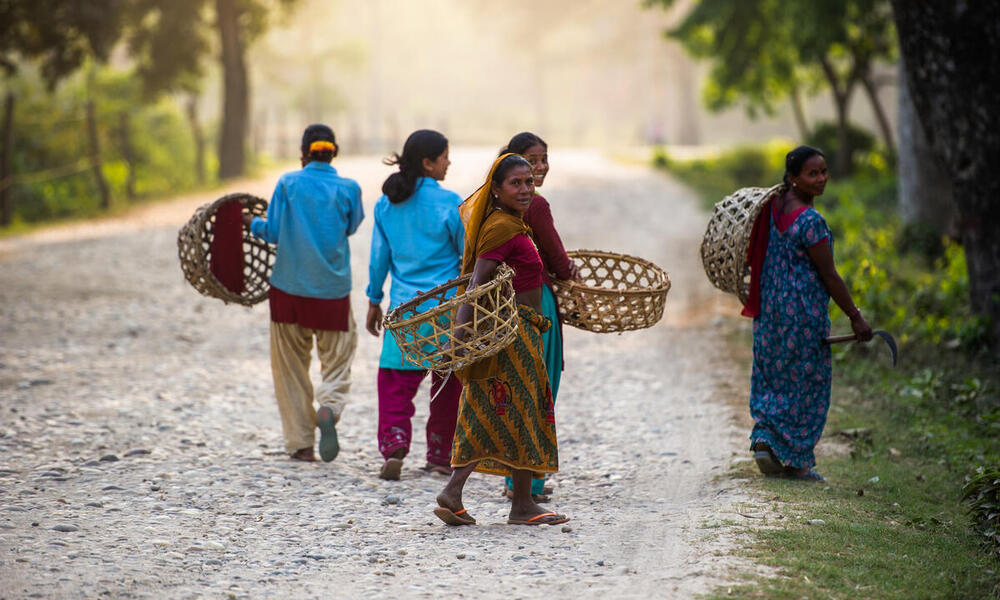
(486, 228)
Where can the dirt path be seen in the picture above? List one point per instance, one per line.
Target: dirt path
(140, 452)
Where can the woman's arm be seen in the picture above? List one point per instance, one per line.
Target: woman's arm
(822, 257)
(550, 244)
(379, 260)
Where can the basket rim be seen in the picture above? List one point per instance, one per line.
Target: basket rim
(194, 228)
(504, 274)
(580, 287)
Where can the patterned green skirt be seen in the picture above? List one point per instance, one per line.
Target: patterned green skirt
(506, 418)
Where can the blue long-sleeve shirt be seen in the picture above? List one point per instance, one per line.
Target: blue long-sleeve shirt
(311, 213)
(420, 241)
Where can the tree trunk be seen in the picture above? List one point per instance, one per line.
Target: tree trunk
(926, 202)
(95, 157)
(952, 62)
(124, 131)
(6, 177)
(883, 121)
(235, 103)
(842, 102)
(800, 115)
(198, 137)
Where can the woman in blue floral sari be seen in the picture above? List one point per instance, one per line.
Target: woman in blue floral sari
(793, 281)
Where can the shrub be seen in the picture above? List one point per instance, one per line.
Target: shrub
(982, 492)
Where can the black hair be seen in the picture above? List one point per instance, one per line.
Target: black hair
(318, 132)
(514, 160)
(423, 143)
(795, 160)
(520, 143)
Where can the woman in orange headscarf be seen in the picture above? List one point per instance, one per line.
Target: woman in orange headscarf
(506, 418)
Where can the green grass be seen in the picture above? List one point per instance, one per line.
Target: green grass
(894, 524)
(906, 534)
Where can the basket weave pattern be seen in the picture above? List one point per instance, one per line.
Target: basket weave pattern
(194, 247)
(426, 337)
(615, 292)
(727, 238)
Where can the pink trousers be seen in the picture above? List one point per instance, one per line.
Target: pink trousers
(396, 390)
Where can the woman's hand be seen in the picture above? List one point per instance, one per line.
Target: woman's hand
(861, 328)
(574, 271)
(373, 322)
(247, 219)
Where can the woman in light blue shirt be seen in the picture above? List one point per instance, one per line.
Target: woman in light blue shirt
(417, 237)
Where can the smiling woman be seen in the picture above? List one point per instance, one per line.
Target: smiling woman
(790, 384)
(506, 418)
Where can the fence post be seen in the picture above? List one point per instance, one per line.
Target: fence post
(126, 141)
(95, 156)
(6, 207)
(199, 138)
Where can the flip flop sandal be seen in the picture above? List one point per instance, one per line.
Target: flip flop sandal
(329, 447)
(549, 518)
(766, 461)
(391, 469)
(450, 517)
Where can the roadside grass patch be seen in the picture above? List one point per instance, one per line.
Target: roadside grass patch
(889, 522)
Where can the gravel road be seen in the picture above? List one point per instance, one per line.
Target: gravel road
(141, 455)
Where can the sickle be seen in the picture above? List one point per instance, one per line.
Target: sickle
(885, 335)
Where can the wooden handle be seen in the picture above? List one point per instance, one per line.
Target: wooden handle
(836, 339)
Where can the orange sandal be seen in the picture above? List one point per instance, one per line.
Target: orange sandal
(549, 518)
(458, 517)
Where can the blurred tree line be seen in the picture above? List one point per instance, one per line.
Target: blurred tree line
(67, 113)
(766, 52)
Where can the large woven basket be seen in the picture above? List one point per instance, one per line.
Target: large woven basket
(194, 246)
(724, 247)
(423, 329)
(615, 292)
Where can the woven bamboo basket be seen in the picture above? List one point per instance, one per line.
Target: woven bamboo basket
(727, 238)
(422, 327)
(615, 292)
(194, 244)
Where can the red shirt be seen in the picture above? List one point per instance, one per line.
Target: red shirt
(550, 247)
(522, 256)
(329, 314)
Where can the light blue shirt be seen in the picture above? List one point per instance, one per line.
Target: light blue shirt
(312, 211)
(420, 241)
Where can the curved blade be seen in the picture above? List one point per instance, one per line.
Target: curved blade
(891, 342)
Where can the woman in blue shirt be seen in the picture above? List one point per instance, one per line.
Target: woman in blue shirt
(311, 214)
(418, 237)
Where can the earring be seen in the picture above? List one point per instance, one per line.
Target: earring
(795, 185)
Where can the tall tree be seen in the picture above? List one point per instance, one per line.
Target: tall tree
(951, 55)
(60, 35)
(172, 36)
(765, 52)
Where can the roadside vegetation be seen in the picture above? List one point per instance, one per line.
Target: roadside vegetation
(910, 508)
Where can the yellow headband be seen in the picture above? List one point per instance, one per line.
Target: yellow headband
(322, 146)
